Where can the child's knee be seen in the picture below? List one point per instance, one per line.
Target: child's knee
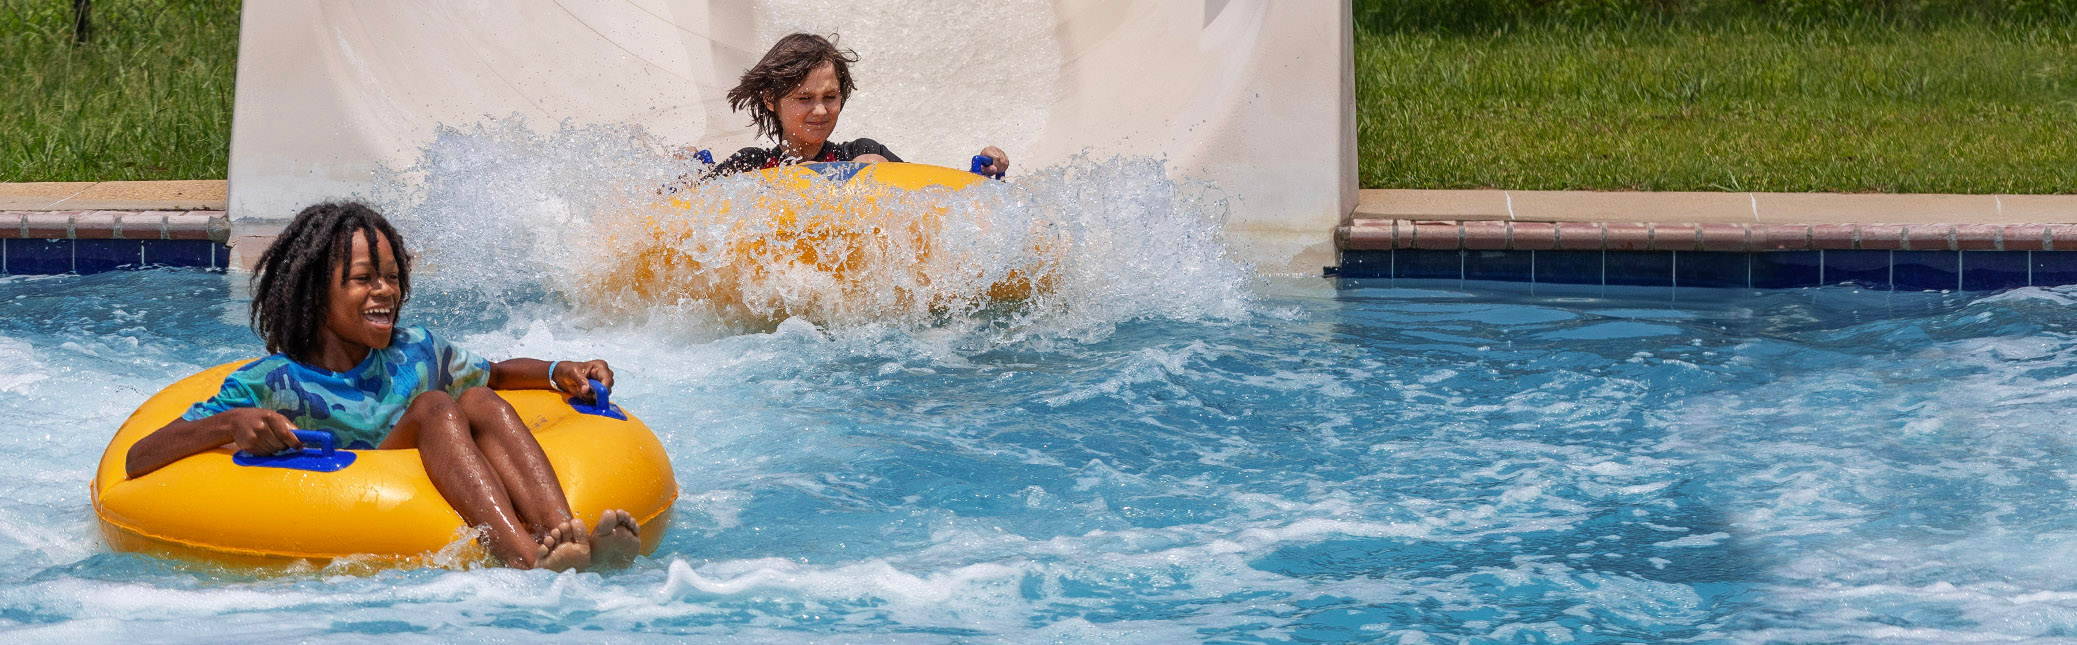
(433, 413)
(432, 402)
(480, 401)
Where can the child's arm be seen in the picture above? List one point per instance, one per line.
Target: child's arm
(255, 430)
(532, 373)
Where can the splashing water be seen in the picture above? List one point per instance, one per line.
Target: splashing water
(1157, 448)
(1377, 462)
(502, 211)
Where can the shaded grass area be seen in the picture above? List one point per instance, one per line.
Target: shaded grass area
(1960, 96)
(147, 96)
(1717, 97)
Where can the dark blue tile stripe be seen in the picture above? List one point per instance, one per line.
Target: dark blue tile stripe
(1927, 270)
(1993, 270)
(1887, 270)
(2053, 267)
(1500, 266)
(1720, 270)
(1570, 267)
(52, 257)
(1637, 268)
(1865, 269)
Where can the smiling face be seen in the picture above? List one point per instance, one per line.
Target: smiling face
(363, 304)
(808, 114)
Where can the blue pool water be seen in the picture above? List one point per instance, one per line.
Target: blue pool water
(1161, 447)
(1410, 462)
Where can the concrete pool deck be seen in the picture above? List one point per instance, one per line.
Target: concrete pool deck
(201, 194)
(1491, 220)
(114, 210)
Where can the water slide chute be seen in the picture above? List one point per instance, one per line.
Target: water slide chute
(1253, 96)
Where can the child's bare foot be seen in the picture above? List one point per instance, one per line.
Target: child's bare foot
(616, 541)
(566, 547)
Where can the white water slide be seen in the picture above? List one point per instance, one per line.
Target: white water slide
(1255, 96)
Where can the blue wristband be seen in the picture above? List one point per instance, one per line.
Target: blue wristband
(551, 376)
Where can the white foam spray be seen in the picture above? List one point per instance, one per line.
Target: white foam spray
(502, 211)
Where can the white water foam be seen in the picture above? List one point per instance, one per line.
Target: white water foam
(498, 210)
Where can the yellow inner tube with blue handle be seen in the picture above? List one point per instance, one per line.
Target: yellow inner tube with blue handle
(380, 509)
(829, 216)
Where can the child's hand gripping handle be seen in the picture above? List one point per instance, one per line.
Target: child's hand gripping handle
(980, 167)
(601, 404)
(326, 444)
(326, 458)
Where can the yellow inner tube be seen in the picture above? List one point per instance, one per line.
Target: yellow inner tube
(382, 509)
(834, 218)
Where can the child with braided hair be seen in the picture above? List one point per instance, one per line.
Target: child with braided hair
(329, 293)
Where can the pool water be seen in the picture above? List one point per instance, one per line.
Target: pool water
(1162, 446)
(1320, 461)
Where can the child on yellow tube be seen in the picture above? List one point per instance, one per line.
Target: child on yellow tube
(794, 95)
(330, 291)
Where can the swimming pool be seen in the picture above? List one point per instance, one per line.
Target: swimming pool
(1355, 461)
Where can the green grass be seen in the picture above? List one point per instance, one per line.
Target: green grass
(1966, 96)
(148, 96)
(1716, 100)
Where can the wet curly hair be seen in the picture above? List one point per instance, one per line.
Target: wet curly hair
(290, 295)
(784, 68)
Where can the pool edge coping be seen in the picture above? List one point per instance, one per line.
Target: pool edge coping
(1383, 219)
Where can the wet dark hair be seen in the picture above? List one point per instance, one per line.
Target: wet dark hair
(290, 294)
(783, 68)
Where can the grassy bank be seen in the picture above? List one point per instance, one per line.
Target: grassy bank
(1969, 96)
(1725, 96)
(146, 96)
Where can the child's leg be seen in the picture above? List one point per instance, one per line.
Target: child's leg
(517, 458)
(531, 482)
(436, 426)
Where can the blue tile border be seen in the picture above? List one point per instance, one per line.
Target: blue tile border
(181, 253)
(1927, 270)
(1717, 270)
(1864, 269)
(1994, 270)
(2052, 267)
(1570, 267)
(1788, 270)
(85, 256)
(1428, 264)
(38, 257)
(98, 256)
(1638, 268)
(1499, 266)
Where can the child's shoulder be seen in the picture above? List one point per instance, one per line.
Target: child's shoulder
(418, 339)
(411, 334)
(268, 369)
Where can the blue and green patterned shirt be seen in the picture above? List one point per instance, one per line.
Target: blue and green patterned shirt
(361, 405)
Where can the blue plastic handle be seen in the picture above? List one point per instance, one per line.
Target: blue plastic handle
(705, 157)
(326, 443)
(981, 167)
(325, 458)
(601, 403)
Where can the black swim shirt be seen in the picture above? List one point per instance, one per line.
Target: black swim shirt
(753, 158)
